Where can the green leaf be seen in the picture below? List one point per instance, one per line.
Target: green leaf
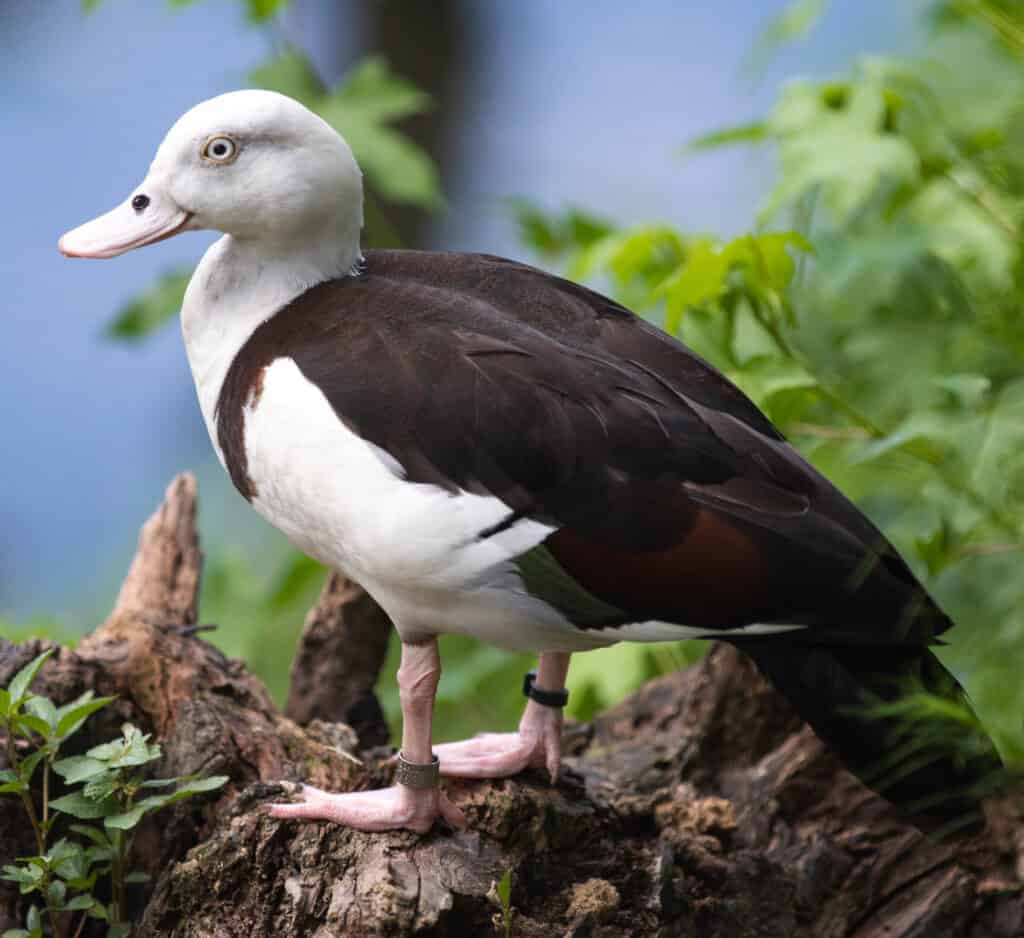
(55, 893)
(505, 889)
(197, 786)
(765, 379)
(80, 904)
(29, 763)
(10, 783)
(102, 787)
(96, 834)
(138, 878)
(21, 932)
(360, 108)
(553, 234)
(925, 435)
(5, 702)
(28, 721)
(193, 786)
(118, 931)
(262, 10)
(756, 132)
(536, 229)
(156, 306)
(132, 749)
(399, 169)
(18, 688)
(63, 850)
(73, 869)
(43, 708)
(377, 94)
(77, 769)
(292, 74)
(126, 820)
(77, 805)
(73, 716)
(21, 874)
(701, 278)
(95, 855)
(796, 21)
(88, 6)
(766, 257)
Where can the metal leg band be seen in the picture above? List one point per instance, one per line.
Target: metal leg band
(418, 774)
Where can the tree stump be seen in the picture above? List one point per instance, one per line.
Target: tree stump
(700, 806)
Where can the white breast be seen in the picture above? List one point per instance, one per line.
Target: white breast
(415, 547)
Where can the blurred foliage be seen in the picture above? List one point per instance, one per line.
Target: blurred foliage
(258, 11)
(892, 354)
(150, 310)
(796, 21)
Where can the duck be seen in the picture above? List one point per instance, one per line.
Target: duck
(495, 451)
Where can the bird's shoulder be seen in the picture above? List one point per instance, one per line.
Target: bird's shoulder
(464, 307)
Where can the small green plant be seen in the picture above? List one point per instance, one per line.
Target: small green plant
(501, 895)
(106, 787)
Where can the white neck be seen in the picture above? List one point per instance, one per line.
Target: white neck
(239, 284)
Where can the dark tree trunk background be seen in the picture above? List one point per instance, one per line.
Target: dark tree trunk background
(432, 45)
(698, 807)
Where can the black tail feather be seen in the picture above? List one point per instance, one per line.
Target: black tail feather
(849, 695)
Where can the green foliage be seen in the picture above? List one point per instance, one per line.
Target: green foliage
(501, 894)
(892, 354)
(796, 21)
(261, 10)
(258, 11)
(260, 609)
(112, 789)
(362, 107)
(147, 312)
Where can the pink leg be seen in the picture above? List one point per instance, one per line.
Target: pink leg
(396, 807)
(538, 742)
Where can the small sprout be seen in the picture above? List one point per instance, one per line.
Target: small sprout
(500, 894)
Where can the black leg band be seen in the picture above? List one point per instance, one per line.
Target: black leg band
(547, 698)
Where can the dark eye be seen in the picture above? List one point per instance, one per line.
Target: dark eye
(219, 149)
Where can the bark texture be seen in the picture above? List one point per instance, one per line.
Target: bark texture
(344, 643)
(698, 807)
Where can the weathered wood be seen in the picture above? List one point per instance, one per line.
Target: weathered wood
(343, 645)
(700, 806)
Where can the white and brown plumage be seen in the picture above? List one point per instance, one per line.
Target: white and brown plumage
(495, 451)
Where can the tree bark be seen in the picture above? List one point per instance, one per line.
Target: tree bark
(343, 645)
(700, 806)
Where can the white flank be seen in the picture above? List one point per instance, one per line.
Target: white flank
(415, 547)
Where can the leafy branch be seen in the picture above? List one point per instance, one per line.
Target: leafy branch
(106, 786)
